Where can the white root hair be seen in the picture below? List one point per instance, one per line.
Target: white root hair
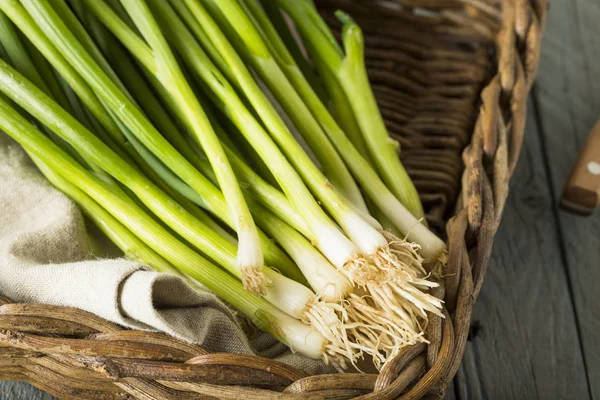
(360, 271)
(391, 312)
(378, 332)
(254, 280)
(388, 309)
(329, 320)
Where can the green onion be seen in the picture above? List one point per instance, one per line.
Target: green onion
(401, 254)
(350, 72)
(173, 151)
(289, 296)
(247, 178)
(256, 186)
(298, 113)
(23, 20)
(290, 45)
(305, 259)
(20, 16)
(356, 227)
(250, 257)
(265, 316)
(324, 233)
(368, 239)
(133, 248)
(395, 262)
(432, 246)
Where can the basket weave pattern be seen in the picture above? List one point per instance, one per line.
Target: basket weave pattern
(452, 79)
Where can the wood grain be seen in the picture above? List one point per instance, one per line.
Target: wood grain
(524, 341)
(567, 96)
(21, 391)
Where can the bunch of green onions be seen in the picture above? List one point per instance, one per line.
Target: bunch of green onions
(177, 125)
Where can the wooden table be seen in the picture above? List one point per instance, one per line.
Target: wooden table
(536, 326)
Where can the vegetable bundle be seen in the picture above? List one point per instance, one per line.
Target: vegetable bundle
(206, 139)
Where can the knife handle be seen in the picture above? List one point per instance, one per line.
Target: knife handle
(582, 192)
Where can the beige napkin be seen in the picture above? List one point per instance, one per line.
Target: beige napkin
(47, 255)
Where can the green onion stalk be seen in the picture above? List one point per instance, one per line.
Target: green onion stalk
(359, 230)
(292, 298)
(269, 76)
(12, 50)
(275, 31)
(236, 136)
(279, 205)
(250, 257)
(288, 295)
(325, 234)
(431, 246)
(325, 153)
(327, 283)
(293, 106)
(277, 258)
(132, 247)
(350, 72)
(369, 327)
(404, 258)
(22, 19)
(390, 329)
(299, 336)
(128, 72)
(374, 322)
(277, 34)
(103, 121)
(322, 277)
(29, 68)
(402, 253)
(411, 289)
(283, 29)
(367, 323)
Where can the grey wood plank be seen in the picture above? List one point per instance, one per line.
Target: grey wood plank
(451, 393)
(588, 15)
(21, 391)
(567, 96)
(524, 342)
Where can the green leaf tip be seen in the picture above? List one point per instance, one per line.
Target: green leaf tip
(344, 18)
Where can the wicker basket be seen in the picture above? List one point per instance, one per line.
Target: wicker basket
(452, 79)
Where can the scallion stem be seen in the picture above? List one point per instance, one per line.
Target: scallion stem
(36, 70)
(325, 234)
(350, 72)
(265, 316)
(44, 109)
(240, 31)
(282, 30)
(377, 190)
(132, 247)
(286, 294)
(147, 135)
(15, 11)
(132, 117)
(250, 256)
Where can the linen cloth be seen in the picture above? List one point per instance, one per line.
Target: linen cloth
(48, 255)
